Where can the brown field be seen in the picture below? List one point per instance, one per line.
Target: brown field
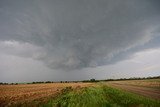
(150, 83)
(148, 88)
(13, 94)
(25, 93)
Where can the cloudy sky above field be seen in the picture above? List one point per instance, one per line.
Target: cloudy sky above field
(56, 40)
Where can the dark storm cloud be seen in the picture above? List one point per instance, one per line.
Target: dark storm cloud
(74, 34)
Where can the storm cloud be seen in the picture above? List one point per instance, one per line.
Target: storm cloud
(69, 35)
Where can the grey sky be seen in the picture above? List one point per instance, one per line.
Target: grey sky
(78, 39)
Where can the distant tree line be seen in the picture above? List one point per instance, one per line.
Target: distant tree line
(40, 82)
(91, 80)
(134, 78)
(1, 83)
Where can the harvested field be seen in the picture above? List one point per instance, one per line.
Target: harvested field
(13, 94)
(111, 93)
(100, 95)
(150, 83)
(148, 88)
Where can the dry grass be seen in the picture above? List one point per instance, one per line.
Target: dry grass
(148, 88)
(12, 94)
(151, 83)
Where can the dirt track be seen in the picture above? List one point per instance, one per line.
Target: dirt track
(148, 92)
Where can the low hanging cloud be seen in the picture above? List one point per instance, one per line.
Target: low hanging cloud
(75, 34)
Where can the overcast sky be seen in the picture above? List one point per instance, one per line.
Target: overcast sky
(56, 40)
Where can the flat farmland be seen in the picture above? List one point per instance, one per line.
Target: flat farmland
(149, 88)
(112, 94)
(150, 83)
(126, 93)
(13, 94)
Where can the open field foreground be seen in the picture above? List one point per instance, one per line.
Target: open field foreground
(100, 94)
(12, 94)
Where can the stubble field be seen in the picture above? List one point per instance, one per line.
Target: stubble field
(13, 94)
(148, 88)
(128, 93)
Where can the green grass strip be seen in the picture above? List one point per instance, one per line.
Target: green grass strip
(100, 96)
